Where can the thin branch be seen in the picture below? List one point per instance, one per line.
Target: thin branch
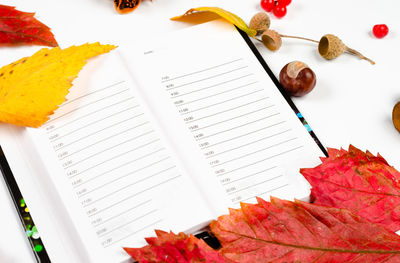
(303, 38)
(355, 52)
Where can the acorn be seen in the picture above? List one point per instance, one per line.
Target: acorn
(297, 78)
(260, 22)
(271, 39)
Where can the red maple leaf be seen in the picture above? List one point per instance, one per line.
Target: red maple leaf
(284, 231)
(169, 247)
(18, 27)
(365, 184)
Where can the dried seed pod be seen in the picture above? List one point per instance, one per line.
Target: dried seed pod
(260, 22)
(330, 47)
(271, 39)
(396, 116)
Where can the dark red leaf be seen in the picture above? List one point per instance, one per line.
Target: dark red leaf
(18, 27)
(365, 184)
(284, 231)
(168, 247)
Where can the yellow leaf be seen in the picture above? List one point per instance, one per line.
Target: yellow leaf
(203, 14)
(33, 87)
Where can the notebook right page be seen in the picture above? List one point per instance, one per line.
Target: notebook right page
(228, 120)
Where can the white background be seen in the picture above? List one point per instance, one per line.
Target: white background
(351, 104)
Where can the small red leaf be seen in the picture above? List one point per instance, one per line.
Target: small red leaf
(365, 184)
(18, 27)
(169, 247)
(284, 231)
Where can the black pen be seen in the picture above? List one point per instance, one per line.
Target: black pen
(31, 231)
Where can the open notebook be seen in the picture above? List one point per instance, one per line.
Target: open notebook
(164, 134)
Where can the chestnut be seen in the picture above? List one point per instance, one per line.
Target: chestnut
(396, 116)
(297, 78)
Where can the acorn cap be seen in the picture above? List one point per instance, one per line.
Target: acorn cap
(271, 39)
(330, 46)
(260, 22)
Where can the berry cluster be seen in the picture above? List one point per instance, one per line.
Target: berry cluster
(278, 7)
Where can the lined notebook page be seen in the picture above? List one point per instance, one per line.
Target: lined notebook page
(112, 167)
(236, 125)
(230, 117)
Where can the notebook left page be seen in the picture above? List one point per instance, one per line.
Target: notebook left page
(113, 169)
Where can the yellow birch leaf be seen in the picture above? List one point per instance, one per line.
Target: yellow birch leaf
(203, 14)
(32, 88)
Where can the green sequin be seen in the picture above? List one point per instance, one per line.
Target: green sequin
(38, 248)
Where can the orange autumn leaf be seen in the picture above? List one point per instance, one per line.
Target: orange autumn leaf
(33, 87)
(203, 14)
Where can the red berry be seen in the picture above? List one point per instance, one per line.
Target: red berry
(267, 5)
(284, 2)
(380, 30)
(279, 11)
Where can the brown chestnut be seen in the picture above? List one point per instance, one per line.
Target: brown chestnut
(297, 78)
(396, 116)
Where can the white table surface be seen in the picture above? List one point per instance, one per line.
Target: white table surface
(351, 104)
